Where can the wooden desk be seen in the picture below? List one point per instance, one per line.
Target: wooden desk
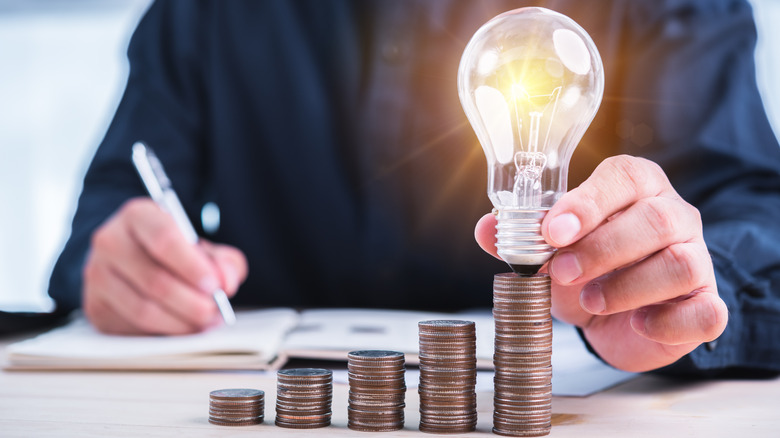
(134, 404)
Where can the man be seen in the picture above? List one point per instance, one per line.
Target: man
(330, 136)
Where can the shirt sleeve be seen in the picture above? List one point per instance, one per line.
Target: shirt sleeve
(691, 77)
(161, 105)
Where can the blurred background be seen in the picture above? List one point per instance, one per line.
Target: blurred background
(62, 72)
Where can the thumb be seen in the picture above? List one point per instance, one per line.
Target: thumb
(485, 234)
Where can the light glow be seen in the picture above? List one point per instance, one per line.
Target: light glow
(530, 81)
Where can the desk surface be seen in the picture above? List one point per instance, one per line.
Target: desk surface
(132, 404)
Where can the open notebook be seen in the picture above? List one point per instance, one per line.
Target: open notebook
(266, 339)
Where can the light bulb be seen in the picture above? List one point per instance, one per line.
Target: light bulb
(530, 81)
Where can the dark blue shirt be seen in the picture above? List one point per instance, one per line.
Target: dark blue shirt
(330, 135)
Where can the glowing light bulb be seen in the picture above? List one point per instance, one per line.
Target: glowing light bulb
(530, 81)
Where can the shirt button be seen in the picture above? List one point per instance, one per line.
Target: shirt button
(711, 346)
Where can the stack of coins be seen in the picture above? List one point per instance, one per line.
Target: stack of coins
(522, 358)
(448, 376)
(376, 390)
(236, 407)
(304, 397)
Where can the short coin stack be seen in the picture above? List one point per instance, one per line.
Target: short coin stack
(448, 376)
(376, 390)
(304, 397)
(236, 407)
(522, 358)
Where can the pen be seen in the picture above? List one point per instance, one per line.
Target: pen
(160, 189)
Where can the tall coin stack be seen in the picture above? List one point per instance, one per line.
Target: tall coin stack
(304, 397)
(376, 390)
(522, 358)
(448, 376)
(236, 407)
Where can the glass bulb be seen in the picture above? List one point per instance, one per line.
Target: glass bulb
(530, 81)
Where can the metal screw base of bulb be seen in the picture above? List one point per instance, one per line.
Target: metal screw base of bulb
(519, 237)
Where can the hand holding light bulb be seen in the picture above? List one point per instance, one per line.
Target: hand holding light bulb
(631, 267)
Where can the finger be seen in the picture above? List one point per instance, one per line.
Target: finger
(103, 317)
(158, 235)
(646, 227)
(616, 183)
(485, 234)
(133, 312)
(700, 318)
(671, 273)
(566, 305)
(627, 350)
(114, 247)
(230, 262)
(172, 295)
(146, 316)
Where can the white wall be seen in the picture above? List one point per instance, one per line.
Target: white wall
(767, 15)
(62, 70)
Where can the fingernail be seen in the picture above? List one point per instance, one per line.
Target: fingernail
(563, 229)
(638, 320)
(565, 267)
(592, 298)
(209, 284)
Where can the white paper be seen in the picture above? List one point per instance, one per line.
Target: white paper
(259, 336)
(258, 332)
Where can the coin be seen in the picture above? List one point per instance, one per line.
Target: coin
(236, 407)
(448, 402)
(238, 394)
(303, 398)
(522, 400)
(305, 373)
(295, 424)
(372, 356)
(259, 420)
(376, 390)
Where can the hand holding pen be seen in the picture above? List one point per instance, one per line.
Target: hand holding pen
(145, 275)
